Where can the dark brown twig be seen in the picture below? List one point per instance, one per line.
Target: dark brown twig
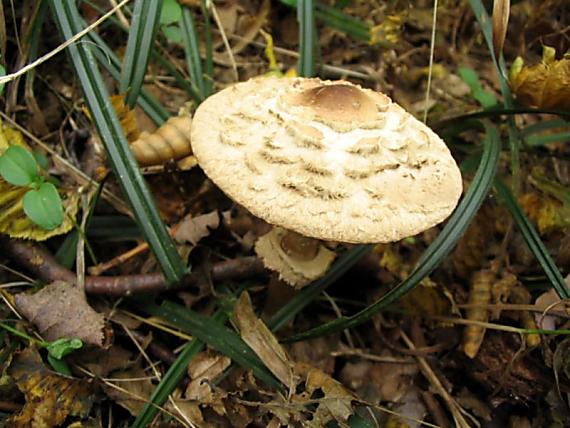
(44, 266)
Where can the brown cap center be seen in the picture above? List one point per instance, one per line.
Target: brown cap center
(339, 102)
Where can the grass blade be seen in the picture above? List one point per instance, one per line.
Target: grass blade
(122, 160)
(533, 240)
(337, 19)
(439, 249)
(107, 58)
(214, 334)
(190, 39)
(485, 23)
(146, 15)
(209, 61)
(307, 37)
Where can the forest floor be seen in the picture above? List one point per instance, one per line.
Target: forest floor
(91, 332)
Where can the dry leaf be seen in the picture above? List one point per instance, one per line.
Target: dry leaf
(255, 333)
(50, 398)
(169, 142)
(479, 297)
(101, 362)
(335, 404)
(203, 369)
(192, 229)
(61, 310)
(134, 389)
(544, 85)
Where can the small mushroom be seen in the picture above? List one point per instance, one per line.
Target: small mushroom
(328, 160)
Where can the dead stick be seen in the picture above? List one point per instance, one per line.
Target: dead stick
(44, 266)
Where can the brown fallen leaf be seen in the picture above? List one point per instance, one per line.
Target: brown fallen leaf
(255, 333)
(50, 398)
(192, 229)
(101, 362)
(61, 310)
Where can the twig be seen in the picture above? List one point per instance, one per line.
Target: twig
(44, 266)
(456, 410)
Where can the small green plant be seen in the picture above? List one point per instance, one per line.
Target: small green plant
(57, 349)
(483, 97)
(42, 203)
(170, 17)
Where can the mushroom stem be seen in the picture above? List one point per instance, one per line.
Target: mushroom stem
(298, 259)
(299, 247)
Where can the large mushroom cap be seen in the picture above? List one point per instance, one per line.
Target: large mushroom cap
(327, 159)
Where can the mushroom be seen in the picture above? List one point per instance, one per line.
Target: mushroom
(327, 160)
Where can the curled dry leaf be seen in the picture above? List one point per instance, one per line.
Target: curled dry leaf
(61, 310)
(501, 12)
(544, 85)
(479, 297)
(192, 229)
(255, 333)
(50, 398)
(169, 142)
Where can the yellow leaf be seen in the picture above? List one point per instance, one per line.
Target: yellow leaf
(544, 85)
(50, 398)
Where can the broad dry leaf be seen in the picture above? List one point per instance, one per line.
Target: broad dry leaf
(255, 333)
(61, 310)
(335, 404)
(50, 398)
(192, 229)
(13, 221)
(101, 362)
(544, 85)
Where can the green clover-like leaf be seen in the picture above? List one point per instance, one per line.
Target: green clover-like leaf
(44, 207)
(18, 166)
(171, 12)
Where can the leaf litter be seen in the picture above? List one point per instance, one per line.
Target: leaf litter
(501, 378)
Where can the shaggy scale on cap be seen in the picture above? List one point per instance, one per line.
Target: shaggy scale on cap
(327, 159)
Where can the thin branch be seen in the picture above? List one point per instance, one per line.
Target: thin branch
(44, 266)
